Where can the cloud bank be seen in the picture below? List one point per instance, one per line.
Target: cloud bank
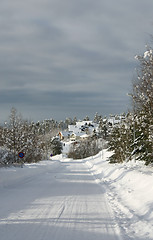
(70, 58)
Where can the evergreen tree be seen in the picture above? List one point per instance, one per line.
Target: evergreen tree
(142, 96)
(68, 121)
(75, 120)
(12, 134)
(56, 146)
(134, 137)
(96, 118)
(86, 118)
(32, 143)
(21, 136)
(1, 136)
(122, 141)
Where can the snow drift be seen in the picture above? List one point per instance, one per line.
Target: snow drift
(130, 191)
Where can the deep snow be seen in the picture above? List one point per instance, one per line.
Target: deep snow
(88, 199)
(129, 188)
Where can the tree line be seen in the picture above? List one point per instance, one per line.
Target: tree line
(133, 138)
(35, 139)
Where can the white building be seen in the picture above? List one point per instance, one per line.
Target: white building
(81, 130)
(73, 129)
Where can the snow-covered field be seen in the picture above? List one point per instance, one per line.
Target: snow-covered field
(65, 199)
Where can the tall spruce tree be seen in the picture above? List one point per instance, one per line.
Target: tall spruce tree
(142, 96)
(12, 134)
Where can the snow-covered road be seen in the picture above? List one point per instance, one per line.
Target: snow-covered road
(56, 200)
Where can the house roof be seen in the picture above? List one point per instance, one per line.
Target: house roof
(84, 135)
(80, 134)
(64, 134)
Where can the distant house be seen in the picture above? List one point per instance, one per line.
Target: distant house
(80, 131)
(78, 136)
(64, 135)
(83, 123)
(84, 136)
(73, 129)
(115, 120)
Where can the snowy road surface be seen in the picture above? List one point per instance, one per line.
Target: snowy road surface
(57, 200)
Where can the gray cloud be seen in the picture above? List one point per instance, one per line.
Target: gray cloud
(67, 57)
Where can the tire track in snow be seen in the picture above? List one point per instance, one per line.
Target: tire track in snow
(70, 206)
(62, 210)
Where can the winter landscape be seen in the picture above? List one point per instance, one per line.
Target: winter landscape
(96, 181)
(76, 120)
(77, 199)
(80, 179)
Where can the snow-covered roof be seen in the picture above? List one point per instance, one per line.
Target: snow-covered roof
(82, 123)
(64, 134)
(78, 134)
(73, 128)
(84, 135)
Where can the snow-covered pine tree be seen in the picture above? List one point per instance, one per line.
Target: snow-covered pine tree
(115, 146)
(122, 140)
(86, 118)
(12, 134)
(100, 128)
(142, 96)
(33, 144)
(68, 121)
(1, 136)
(74, 120)
(61, 125)
(96, 118)
(21, 136)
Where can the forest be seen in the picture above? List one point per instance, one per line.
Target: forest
(131, 139)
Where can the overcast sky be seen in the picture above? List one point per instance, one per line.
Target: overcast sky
(66, 58)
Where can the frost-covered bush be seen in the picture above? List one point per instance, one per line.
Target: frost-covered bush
(83, 149)
(6, 157)
(21, 136)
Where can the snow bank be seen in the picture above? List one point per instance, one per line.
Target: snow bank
(129, 188)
